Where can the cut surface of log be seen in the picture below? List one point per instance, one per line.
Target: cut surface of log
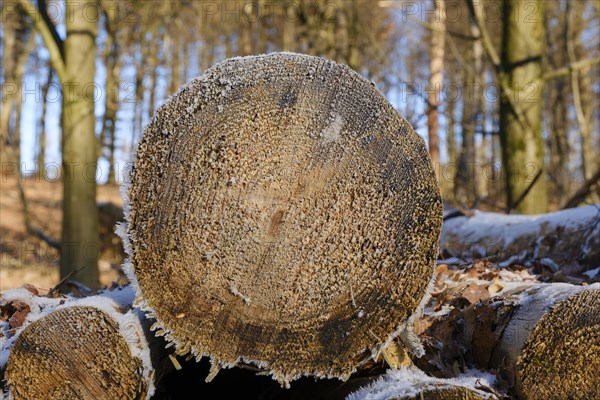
(282, 213)
(91, 348)
(74, 353)
(561, 357)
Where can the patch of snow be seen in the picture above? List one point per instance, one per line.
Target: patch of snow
(550, 263)
(411, 381)
(450, 261)
(592, 272)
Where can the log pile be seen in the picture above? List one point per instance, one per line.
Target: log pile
(282, 217)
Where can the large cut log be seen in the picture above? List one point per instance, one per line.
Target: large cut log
(93, 348)
(412, 384)
(281, 213)
(554, 239)
(544, 339)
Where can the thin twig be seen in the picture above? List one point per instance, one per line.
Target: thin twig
(584, 191)
(63, 280)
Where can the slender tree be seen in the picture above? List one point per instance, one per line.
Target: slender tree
(436, 79)
(74, 63)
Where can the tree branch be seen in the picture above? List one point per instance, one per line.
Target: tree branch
(584, 191)
(577, 65)
(49, 34)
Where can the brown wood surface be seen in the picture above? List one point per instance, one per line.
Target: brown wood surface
(282, 213)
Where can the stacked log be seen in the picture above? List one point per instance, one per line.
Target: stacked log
(281, 213)
(92, 348)
(543, 339)
(559, 358)
(568, 239)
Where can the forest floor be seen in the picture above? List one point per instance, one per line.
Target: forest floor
(26, 259)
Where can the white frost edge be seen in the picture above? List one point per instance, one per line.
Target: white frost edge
(112, 302)
(405, 331)
(411, 381)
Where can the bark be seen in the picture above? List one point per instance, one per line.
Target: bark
(93, 348)
(556, 106)
(436, 80)
(465, 188)
(154, 63)
(111, 105)
(175, 60)
(291, 243)
(290, 20)
(520, 109)
(140, 72)
(581, 95)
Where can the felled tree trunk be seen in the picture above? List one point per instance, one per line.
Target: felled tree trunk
(544, 340)
(282, 213)
(86, 349)
(555, 239)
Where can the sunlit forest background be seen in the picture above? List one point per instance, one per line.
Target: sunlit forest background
(444, 65)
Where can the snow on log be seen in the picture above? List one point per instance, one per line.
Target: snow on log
(554, 239)
(413, 384)
(543, 338)
(90, 348)
(281, 213)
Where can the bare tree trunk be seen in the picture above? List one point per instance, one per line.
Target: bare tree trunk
(436, 80)
(41, 154)
(520, 129)
(465, 189)
(80, 250)
(175, 60)
(15, 134)
(289, 26)
(14, 34)
(154, 62)
(140, 72)
(579, 90)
